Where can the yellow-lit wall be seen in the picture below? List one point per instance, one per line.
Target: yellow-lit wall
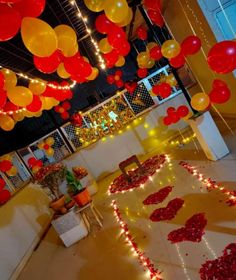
(177, 21)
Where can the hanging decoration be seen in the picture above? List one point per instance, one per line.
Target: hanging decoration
(154, 12)
(5, 195)
(222, 57)
(46, 146)
(35, 164)
(116, 79)
(173, 115)
(143, 260)
(63, 110)
(163, 89)
(190, 45)
(142, 73)
(144, 60)
(220, 92)
(142, 33)
(200, 101)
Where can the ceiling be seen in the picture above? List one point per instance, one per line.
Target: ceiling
(15, 56)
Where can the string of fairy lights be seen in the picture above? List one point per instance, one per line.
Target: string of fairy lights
(89, 31)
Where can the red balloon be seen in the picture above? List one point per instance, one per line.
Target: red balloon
(170, 110)
(116, 36)
(66, 105)
(77, 120)
(110, 79)
(156, 17)
(2, 80)
(65, 115)
(10, 22)
(155, 53)
(30, 8)
(51, 92)
(35, 105)
(46, 147)
(65, 93)
(222, 57)
(111, 58)
(167, 120)
(131, 87)
(79, 78)
(9, 1)
(142, 33)
(119, 83)
(103, 24)
(219, 83)
(142, 73)
(177, 61)
(182, 111)
(2, 184)
(38, 163)
(48, 64)
(5, 165)
(152, 4)
(191, 45)
(10, 107)
(220, 95)
(174, 118)
(31, 161)
(5, 195)
(76, 65)
(119, 73)
(3, 98)
(124, 48)
(155, 89)
(164, 90)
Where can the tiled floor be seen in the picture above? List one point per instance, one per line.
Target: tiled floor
(104, 255)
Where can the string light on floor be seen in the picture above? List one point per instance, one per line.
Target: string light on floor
(36, 80)
(210, 184)
(89, 31)
(147, 264)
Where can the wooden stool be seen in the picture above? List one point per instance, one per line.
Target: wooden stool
(97, 215)
(128, 162)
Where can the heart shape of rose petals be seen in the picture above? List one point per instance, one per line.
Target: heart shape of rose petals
(168, 212)
(221, 268)
(192, 231)
(131, 87)
(159, 196)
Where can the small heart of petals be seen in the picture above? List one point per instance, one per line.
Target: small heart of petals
(192, 231)
(168, 212)
(159, 196)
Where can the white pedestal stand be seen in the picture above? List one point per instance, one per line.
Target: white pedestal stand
(70, 228)
(209, 136)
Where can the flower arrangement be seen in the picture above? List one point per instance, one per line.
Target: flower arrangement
(79, 172)
(50, 177)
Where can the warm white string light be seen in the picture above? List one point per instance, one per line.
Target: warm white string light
(12, 112)
(44, 83)
(89, 31)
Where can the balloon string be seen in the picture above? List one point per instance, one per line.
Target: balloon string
(227, 19)
(135, 48)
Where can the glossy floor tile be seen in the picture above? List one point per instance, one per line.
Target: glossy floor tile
(104, 255)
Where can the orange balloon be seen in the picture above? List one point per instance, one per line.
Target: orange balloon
(93, 75)
(20, 96)
(104, 46)
(10, 79)
(170, 49)
(120, 62)
(116, 10)
(200, 101)
(6, 122)
(127, 20)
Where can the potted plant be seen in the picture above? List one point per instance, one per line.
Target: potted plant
(50, 177)
(69, 202)
(76, 190)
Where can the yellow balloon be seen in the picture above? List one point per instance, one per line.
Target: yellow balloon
(38, 37)
(143, 59)
(94, 5)
(170, 79)
(104, 46)
(18, 116)
(120, 62)
(67, 40)
(50, 152)
(151, 45)
(29, 114)
(93, 75)
(61, 72)
(116, 10)
(20, 96)
(6, 122)
(41, 145)
(6, 157)
(127, 20)
(35, 169)
(12, 172)
(200, 101)
(50, 141)
(10, 78)
(188, 116)
(150, 64)
(170, 49)
(38, 114)
(37, 86)
(48, 102)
